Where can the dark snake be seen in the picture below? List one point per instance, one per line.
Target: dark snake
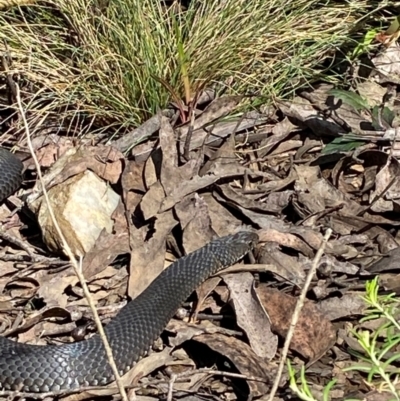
(38, 369)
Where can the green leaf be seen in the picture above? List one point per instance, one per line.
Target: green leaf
(384, 116)
(327, 390)
(341, 144)
(351, 98)
(394, 26)
(364, 44)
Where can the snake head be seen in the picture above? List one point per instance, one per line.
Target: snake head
(233, 247)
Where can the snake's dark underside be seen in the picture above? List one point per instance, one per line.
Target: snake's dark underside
(36, 369)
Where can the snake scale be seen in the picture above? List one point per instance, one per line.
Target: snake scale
(38, 369)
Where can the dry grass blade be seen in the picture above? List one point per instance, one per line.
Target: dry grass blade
(77, 267)
(297, 311)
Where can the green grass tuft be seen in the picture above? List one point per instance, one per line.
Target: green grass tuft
(115, 63)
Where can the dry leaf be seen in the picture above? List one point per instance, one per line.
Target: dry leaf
(251, 315)
(314, 335)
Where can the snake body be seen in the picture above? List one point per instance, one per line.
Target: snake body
(10, 173)
(37, 369)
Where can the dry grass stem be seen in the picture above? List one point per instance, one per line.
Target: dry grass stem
(297, 310)
(77, 267)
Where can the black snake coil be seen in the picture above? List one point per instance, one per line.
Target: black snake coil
(34, 368)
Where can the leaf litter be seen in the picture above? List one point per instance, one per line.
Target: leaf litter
(325, 159)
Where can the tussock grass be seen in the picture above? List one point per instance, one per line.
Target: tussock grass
(113, 65)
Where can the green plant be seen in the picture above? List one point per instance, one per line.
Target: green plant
(303, 390)
(381, 345)
(381, 119)
(364, 45)
(380, 348)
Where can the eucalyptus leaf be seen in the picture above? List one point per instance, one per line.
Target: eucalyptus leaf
(382, 118)
(341, 144)
(352, 99)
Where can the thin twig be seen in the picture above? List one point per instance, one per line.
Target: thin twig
(296, 313)
(67, 249)
(210, 372)
(16, 241)
(171, 386)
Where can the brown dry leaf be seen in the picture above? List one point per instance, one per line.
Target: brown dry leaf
(285, 239)
(350, 304)
(315, 194)
(372, 91)
(148, 365)
(43, 140)
(304, 112)
(338, 115)
(223, 222)
(314, 334)
(387, 64)
(104, 161)
(48, 154)
(203, 292)
(132, 183)
(141, 133)
(251, 315)
(223, 160)
(376, 395)
(147, 257)
(193, 382)
(170, 172)
(195, 221)
(220, 130)
(388, 175)
(186, 331)
(7, 268)
(220, 107)
(279, 184)
(151, 202)
(225, 164)
(40, 329)
(185, 189)
(345, 224)
(23, 288)
(11, 224)
(280, 132)
(108, 245)
(52, 287)
(389, 282)
(330, 264)
(260, 220)
(245, 200)
(389, 262)
(151, 167)
(243, 358)
(286, 266)
(285, 148)
(29, 330)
